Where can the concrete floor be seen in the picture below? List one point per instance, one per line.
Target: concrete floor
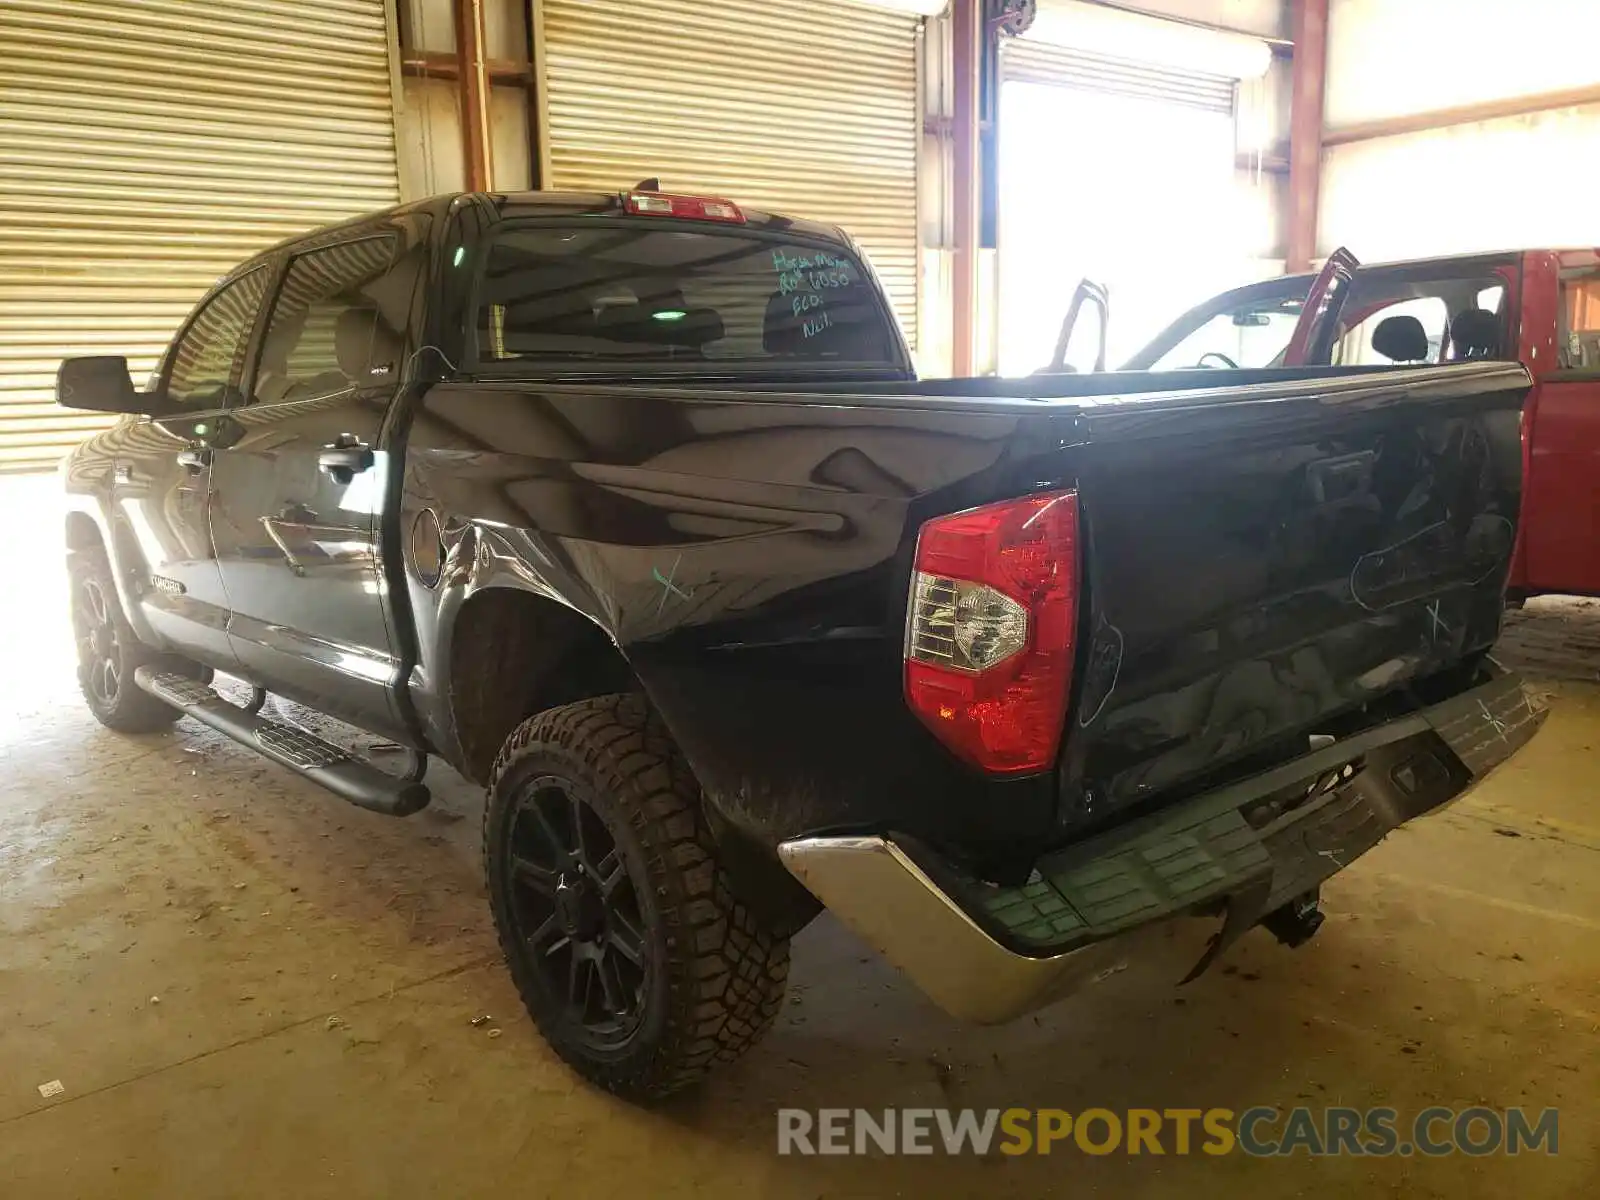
(247, 988)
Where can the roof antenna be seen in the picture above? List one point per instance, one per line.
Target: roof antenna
(647, 185)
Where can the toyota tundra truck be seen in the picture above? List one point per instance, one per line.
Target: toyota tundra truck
(631, 508)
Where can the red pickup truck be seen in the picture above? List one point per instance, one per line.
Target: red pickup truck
(1539, 307)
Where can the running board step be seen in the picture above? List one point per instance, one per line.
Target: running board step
(340, 772)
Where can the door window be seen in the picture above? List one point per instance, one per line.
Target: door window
(208, 358)
(338, 323)
(1358, 347)
(1580, 320)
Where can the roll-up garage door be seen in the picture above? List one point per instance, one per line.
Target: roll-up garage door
(1029, 61)
(147, 146)
(803, 107)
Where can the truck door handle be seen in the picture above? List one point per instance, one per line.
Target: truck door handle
(1333, 479)
(344, 461)
(194, 459)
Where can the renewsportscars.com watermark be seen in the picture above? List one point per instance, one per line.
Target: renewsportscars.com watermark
(1261, 1132)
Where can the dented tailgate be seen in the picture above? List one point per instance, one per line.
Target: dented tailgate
(1261, 568)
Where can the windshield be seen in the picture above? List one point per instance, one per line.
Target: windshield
(666, 294)
(1251, 334)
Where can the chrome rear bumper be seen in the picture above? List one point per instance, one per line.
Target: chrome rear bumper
(871, 885)
(1176, 884)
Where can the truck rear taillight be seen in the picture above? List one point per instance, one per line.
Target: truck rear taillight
(693, 208)
(990, 630)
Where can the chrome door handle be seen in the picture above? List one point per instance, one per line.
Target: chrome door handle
(344, 462)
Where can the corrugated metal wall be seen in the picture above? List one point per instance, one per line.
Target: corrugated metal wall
(146, 146)
(806, 107)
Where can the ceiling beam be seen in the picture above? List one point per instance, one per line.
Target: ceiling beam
(1464, 114)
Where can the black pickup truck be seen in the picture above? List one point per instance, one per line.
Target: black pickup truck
(632, 508)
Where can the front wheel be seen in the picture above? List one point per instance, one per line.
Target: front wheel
(632, 955)
(109, 651)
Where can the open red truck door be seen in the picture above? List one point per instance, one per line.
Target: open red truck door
(1090, 293)
(1560, 344)
(1318, 327)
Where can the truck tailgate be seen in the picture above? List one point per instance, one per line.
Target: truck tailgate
(1260, 569)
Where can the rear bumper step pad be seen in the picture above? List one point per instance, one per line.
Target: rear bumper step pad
(320, 761)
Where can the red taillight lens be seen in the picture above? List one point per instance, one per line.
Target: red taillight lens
(693, 208)
(990, 631)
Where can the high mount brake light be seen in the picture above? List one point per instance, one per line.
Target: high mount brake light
(991, 630)
(691, 208)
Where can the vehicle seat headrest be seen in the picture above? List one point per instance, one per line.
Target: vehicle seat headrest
(1475, 333)
(1401, 338)
(367, 350)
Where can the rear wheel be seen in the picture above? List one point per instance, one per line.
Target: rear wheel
(109, 652)
(632, 954)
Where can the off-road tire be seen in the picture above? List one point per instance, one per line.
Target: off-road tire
(716, 978)
(124, 707)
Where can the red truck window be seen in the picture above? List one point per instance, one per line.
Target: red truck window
(1580, 320)
(1364, 344)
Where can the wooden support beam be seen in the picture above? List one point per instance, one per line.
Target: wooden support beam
(1308, 84)
(966, 32)
(436, 64)
(473, 73)
(1465, 114)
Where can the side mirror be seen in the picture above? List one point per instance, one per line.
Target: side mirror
(100, 384)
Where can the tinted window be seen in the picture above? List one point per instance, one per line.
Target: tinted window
(617, 291)
(338, 322)
(209, 357)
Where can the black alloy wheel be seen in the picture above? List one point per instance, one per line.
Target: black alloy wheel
(576, 909)
(109, 651)
(99, 643)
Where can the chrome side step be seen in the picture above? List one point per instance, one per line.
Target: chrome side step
(353, 778)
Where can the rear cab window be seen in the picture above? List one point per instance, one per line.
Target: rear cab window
(645, 294)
